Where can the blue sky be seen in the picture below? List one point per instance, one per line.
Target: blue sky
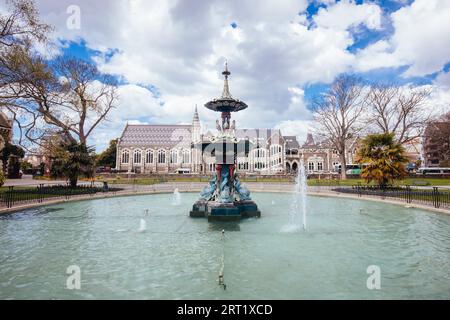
(168, 55)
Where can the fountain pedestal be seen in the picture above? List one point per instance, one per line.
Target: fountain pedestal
(224, 198)
(216, 211)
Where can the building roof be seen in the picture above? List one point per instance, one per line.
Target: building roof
(156, 136)
(309, 141)
(291, 142)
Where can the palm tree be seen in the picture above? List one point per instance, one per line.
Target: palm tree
(383, 159)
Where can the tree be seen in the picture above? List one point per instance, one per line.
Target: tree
(108, 157)
(21, 24)
(2, 178)
(402, 111)
(20, 28)
(68, 97)
(71, 160)
(337, 114)
(73, 100)
(383, 159)
(26, 166)
(8, 151)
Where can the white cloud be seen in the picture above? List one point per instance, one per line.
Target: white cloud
(346, 13)
(443, 80)
(422, 35)
(376, 56)
(421, 39)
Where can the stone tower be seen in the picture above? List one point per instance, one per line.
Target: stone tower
(195, 139)
(196, 128)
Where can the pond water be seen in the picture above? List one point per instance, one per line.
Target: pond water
(147, 247)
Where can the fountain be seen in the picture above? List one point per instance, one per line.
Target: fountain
(297, 213)
(225, 198)
(176, 197)
(142, 225)
(302, 190)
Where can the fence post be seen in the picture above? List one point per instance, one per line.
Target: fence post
(408, 194)
(10, 197)
(436, 197)
(38, 191)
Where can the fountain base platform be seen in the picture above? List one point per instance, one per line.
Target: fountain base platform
(218, 211)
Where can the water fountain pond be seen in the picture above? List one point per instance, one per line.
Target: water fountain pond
(172, 256)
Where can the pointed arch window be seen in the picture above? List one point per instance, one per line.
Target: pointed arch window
(186, 156)
(174, 156)
(137, 157)
(149, 156)
(161, 156)
(125, 156)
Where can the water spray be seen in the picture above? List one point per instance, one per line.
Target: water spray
(221, 271)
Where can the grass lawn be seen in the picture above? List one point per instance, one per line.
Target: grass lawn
(419, 181)
(24, 193)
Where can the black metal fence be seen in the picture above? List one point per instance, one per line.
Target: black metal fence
(430, 196)
(13, 196)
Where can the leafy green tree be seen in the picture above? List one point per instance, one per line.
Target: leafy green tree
(10, 150)
(42, 168)
(108, 157)
(383, 158)
(72, 160)
(25, 166)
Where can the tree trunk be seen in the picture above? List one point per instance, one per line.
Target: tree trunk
(73, 181)
(343, 165)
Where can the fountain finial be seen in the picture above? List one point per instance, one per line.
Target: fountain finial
(226, 89)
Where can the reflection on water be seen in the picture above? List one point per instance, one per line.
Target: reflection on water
(227, 226)
(179, 258)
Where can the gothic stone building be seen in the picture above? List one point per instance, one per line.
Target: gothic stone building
(153, 149)
(317, 157)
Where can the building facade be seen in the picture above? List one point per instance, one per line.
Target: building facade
(436, 143)
(318, 157)
(151, 149)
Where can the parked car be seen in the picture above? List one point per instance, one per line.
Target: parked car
(411, 167)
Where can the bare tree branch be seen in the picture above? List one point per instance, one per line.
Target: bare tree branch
(402, 111)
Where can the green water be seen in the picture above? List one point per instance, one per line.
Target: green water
(179, 258)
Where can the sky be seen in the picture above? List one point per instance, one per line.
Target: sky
(168, 55)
